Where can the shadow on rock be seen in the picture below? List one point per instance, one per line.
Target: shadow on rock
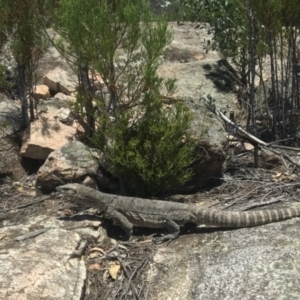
(222, 75)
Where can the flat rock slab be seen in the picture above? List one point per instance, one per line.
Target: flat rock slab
(44, 266)
(251, 263)
(198, 72)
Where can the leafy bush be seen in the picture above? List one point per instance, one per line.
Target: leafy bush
(142, 138)
(151, 153)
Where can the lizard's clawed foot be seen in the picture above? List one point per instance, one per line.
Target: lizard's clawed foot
(164, 238)
(158, 240)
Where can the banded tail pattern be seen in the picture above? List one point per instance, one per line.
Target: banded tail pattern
(238, 219)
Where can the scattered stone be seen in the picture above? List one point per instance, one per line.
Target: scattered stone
(95, 267)
(269, 160)
(96, 224)
(88, 181)
(65, 116)
(41, 92)
(61, 96)
(248, 146)
(59, 80)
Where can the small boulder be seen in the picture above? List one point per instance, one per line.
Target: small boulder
(10, 116)
(269, 160)
(41, 92)
(59, 80)
(73, 162)
(212, 145)
(97, 80)
(63, 97)
(46, 134)
(248, 146)
(65, 116)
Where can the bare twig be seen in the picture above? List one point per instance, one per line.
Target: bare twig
(31, 234)
(285, 147)
(130, 283)
(255, 140)
(260, 204)
(251, 191)
(27, 204)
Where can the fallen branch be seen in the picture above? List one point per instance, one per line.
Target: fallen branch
(26, 205)
(260, 204)
(31, 234)
(254, 140)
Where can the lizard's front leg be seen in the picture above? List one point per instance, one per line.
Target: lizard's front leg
(120, 220)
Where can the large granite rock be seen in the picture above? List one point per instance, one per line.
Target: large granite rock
(212, 145)
(43, 267)
(251, 263)
(198, 71)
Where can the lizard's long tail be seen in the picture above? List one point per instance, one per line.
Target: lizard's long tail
(245, 219)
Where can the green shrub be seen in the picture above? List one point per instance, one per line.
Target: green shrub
(151, 154)
(142, 139)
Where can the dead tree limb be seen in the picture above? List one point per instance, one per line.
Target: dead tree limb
(256, 141)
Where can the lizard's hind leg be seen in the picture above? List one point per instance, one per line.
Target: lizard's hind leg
(173, 229)
(173, 222)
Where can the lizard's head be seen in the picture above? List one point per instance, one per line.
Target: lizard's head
(68, 189)
(78, 193)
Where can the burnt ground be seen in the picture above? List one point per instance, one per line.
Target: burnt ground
(243, 187)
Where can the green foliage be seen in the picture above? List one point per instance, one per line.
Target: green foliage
(141, 138)
(21, 31)
(104, 28)
(231, 22)
(228, 20)
(248, 31)
(4, 84)
(150, 151)
(20, 23)
(193, 10)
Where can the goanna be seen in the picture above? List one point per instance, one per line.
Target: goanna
(128, 212)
